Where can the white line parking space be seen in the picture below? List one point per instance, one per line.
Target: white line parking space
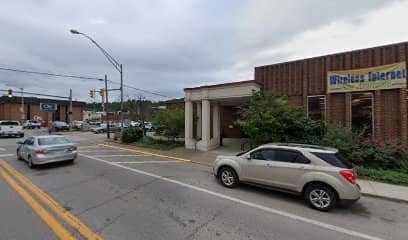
(120, 155)
(2, 149)
(7, 155)
(148, 162)
(292, 216)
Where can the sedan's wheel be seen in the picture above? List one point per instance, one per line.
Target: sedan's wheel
(228, 177)
(320, 197)
(30, 162)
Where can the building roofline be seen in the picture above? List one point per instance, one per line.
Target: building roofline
(34, 100)
(222, 85)
(334, 54)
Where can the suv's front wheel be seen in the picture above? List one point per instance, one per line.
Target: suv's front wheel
(228, 177)
(320, 196)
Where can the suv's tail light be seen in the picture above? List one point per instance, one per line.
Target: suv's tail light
(73, 148)
(40, 152)
(348, 175)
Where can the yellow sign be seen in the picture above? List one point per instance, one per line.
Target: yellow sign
(382, 77)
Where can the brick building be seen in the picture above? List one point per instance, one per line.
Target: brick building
(10, 109)
(360, 89)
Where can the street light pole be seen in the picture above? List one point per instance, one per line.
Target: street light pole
(22, 106)
(116, 64)
(107, 107)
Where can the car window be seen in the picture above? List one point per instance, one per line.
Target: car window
(9, 123)
(29, 141)
(52, 141)
(334, 159)
(279, 155)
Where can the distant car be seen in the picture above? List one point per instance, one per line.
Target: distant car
(11, 128)
(135, 124)
(60, 126)
(37, 150)
(32, 124)
(77, 125)
(100, 129)
(317, 173)
(148, 126)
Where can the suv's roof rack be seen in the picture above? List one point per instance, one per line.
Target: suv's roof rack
(301, 145)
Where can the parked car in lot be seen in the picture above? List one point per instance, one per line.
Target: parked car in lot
(11, 128)
(77, 125)
(32, 124)
(317, 173)
(134, 124)
(60, 126)
(37, 150)
(102, 128)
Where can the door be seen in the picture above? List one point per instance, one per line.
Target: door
(254, 168)
(285, 168)
(25, 147)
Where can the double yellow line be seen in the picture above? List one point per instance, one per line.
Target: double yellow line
(8, 173)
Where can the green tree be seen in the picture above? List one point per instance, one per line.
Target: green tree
(268, 118)
(169, 123)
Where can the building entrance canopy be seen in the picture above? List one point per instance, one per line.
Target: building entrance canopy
(203, 107)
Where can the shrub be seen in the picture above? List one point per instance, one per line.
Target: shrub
(169, 123)
(383, 175)
(130, 135)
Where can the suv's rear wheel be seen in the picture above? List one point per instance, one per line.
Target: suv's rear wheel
(320, 196)
(228, 177)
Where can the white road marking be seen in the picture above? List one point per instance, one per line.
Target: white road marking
(149, 162)
(2, 149)
(243, 202)
(121, 155)
(97, 151)
(7, 155)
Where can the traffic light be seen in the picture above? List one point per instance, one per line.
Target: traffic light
(10, 93)
(91, 93)
(102, 92)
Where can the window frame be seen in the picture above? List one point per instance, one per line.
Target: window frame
(372, 110)
(325, 105)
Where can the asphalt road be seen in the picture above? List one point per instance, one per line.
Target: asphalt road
(123, 195)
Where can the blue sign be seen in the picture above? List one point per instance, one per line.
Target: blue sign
(48, 106)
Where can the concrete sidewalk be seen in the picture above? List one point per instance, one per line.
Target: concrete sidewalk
(370, 188)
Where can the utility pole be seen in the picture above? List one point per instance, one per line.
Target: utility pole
(107, 107)
(22, 106)
(121, 98)
(70, 109)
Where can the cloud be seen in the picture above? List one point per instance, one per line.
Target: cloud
(167, 45)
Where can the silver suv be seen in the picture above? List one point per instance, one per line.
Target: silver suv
(318, 173)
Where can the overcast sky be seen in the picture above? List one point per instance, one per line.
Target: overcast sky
(167, 45)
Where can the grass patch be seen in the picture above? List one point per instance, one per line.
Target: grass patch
(387, 176)
(161, 145)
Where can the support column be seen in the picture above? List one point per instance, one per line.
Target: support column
(206, 122)
(188, 125)
(199, 121)
(216, 124)
(347, 117)
(403, 116)
(377, 115)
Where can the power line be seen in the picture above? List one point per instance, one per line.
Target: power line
(82, 77)
(50, 74)
(142, 90)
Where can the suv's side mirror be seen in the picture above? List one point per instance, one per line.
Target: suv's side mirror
(20, 142)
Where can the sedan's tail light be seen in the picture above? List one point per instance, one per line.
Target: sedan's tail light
(40, 152)
(73, 148)
(348, 175)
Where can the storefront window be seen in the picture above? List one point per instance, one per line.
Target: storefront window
(362, 113)
(316, 107)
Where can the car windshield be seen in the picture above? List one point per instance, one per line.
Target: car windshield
(9, 123)
(334, 159)
(52, 141)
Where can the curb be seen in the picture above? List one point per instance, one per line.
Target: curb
(385, 198)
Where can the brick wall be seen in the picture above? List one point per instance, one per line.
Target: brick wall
(298, 79)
